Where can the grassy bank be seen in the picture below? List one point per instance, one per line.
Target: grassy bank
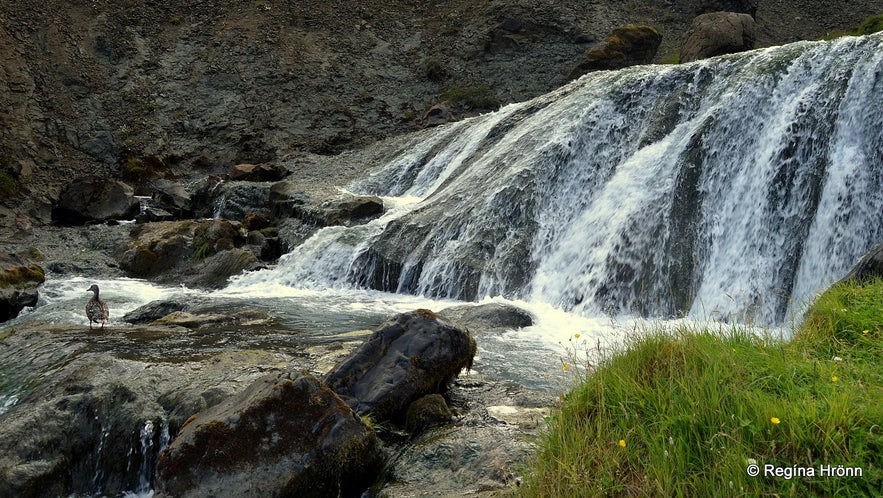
(686, 413)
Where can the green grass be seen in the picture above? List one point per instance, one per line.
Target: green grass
(870, 25)
(684, 412)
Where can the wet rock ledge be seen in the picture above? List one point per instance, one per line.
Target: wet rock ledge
(242, 407)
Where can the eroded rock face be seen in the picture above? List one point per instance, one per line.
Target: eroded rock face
(625, 46)
(718, 33)
(94, 198)
(411, 355)
(285, 435)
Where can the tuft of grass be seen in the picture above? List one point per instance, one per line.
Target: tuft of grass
(7, 184)
(871, 25)
(685, 412)
(472, 97)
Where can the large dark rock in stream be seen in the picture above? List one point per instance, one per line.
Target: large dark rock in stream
(94, 198)
(199, 254)
(285, 435)
(409, 356)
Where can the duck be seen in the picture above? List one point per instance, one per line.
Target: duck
(96, 309)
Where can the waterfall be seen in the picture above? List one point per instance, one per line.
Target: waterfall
(730, 188)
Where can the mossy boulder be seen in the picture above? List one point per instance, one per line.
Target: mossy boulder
(628, 45)
(411, 355)
(429, 411)
(284, 435)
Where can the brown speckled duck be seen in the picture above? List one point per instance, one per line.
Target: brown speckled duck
(96, 309)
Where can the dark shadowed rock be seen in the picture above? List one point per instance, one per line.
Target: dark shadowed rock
(285, 435)
(869, 266)
(625, 46)
(429, 411)
(346, 210)
(411, 355)
(153, 311)
(214, 271)
(255, 221)
(488, 316)
(718, 33)
(94, 198)
(268, 172)
(172, 197)
(438, 114)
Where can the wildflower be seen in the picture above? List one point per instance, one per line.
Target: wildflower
(566, 367)
(622, 442)
(752, 461)
(834, 378)
(671, 441)
(837, 358)
(774, 420)
(576, 336)
(865, 331)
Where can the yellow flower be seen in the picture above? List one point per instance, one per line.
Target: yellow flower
(834, 378)
(566, 367)
(865, 331)
(576, 335)
(775, 420)
(622, 442)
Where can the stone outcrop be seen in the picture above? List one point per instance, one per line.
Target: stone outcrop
(266, 172)
(201, 254)
(488, 316)
(94, 198)
(718, 33)
(285, 435)
(869, 266)
(411, 355)
(626, 46)
(19, 279)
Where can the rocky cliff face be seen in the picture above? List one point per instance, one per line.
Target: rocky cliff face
(145, 88)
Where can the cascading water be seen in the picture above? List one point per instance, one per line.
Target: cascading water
(721, 188)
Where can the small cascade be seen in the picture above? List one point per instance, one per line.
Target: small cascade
(142, 458)
(732, 188)
(98, 476)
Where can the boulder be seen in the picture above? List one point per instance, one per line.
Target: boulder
(625, 46)
(488, 316)
(214, 271)
(429, 411)
(284, 435)
(94, 198)
(347, 210)
(255, 221)
(152, 311)
(869, 266)
(172, 197)
(267, 172)
(438, 114)
(19, 279)
(718, 33)
(411, 355)
(198, 253)
(157, 247)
